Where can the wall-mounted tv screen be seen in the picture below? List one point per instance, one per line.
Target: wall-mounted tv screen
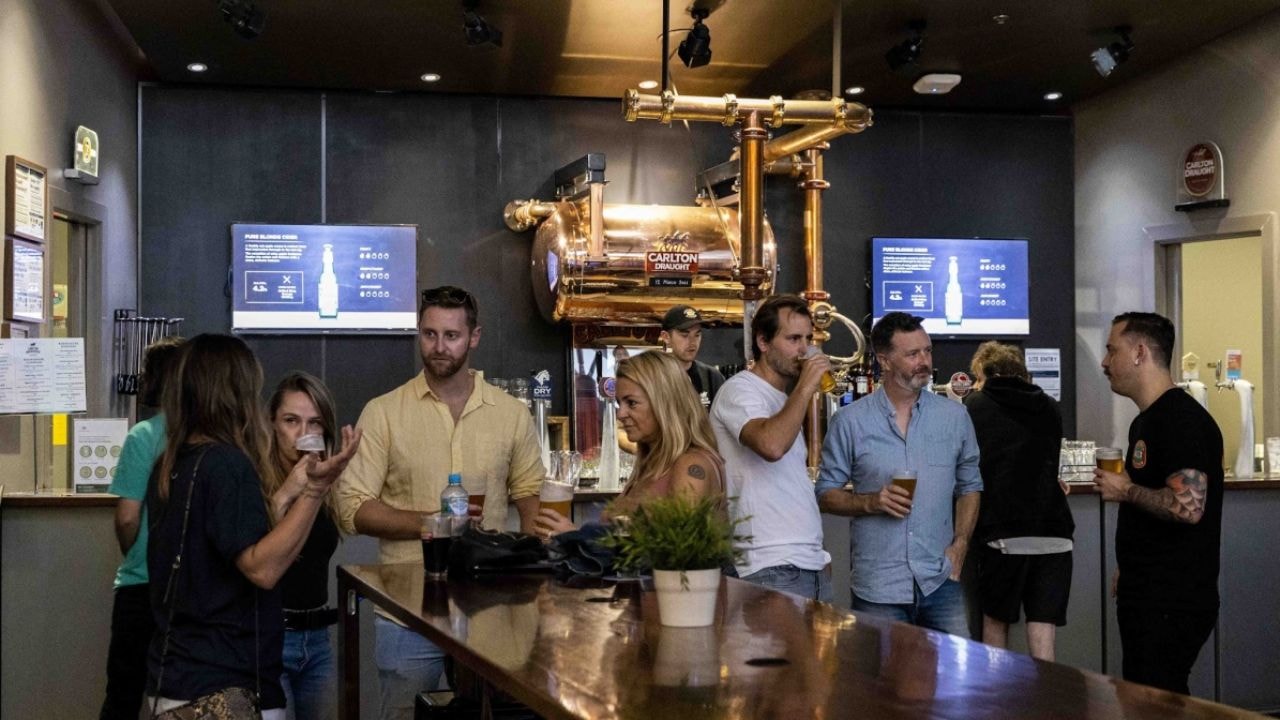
(324, 278)
(960, 287)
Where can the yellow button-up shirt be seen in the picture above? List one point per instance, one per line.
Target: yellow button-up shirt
(411, 446)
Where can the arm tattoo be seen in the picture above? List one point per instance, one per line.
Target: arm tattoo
(1181, 500)
(697, 472)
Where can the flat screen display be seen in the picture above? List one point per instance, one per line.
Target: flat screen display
(324, 278)
(960, 287)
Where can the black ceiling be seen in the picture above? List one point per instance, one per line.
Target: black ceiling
(598, 48)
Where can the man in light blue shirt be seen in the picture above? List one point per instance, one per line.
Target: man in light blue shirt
(906, 550)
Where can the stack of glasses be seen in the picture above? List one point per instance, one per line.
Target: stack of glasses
(1076, 461)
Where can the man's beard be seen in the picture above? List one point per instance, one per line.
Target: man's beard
(443, 366)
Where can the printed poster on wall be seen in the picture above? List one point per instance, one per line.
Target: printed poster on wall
(98, 443)
(42, 376)
(1045, 367)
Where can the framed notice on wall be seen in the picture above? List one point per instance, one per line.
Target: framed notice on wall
(26, 210)
(24, 281)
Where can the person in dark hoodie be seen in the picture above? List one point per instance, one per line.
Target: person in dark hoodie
(1023, 537)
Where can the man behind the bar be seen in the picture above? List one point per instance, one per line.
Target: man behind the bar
(682, 335)
(757, 418)
(907, 551)
(445, 420)
(1170, 522)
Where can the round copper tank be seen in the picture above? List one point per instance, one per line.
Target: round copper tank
(615, 289)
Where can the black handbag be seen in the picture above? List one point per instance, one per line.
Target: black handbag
(478, 551)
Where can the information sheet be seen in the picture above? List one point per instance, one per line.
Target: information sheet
(1045, 367)
(97, 452)
(42, 376)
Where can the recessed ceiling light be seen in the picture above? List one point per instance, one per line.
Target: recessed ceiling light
(1000, 19)
(854, 90)
(1053, 95)
(648, 84)
(936, 83)
(197, 67)
(431, 77)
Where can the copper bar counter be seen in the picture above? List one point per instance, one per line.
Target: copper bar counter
(599, 652)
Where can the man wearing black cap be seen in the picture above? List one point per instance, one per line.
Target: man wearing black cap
(682, 335)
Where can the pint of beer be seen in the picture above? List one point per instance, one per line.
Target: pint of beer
(905, 479)
(828, 382)
(557, 496)
(1109, 459)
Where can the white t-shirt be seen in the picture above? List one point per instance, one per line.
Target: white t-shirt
(777, 497)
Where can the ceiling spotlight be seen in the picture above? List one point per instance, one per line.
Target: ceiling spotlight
(430, 77)
(695, 49)
(908, 51)
(1001, 18)
(1106, 59)
(197, 67)
(477, 30)
(245, 18)
(648, 84)
(855, 90)
(1051, 96)
(936, 83)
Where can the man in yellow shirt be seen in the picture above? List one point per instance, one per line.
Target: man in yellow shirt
(445, 420)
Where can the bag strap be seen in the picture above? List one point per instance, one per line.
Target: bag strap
(169, 585)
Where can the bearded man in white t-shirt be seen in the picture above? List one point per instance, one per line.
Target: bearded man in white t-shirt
(757, 418)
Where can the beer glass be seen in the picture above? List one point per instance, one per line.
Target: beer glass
(438, 531)
(1109, 459)
(905, 479)
(828, 381)
(557, 496)
(566, 466)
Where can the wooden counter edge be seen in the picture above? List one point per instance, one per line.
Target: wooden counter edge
(57, 500)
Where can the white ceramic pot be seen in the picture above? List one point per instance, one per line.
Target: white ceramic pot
(692, 607)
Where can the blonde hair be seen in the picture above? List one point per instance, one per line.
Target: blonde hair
(682, 422)
(995, 359)
(215, 396)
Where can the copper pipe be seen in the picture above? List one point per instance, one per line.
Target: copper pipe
(751, 206)
(520, 215)
(800, 140)
(814, 185)
(729, 109)
(595, 210)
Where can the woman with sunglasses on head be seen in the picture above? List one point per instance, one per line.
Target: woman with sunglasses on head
(302, 407)
(676, 449)
(216, 552)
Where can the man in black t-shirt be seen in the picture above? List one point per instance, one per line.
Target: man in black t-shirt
(1170, 522)
(682, 335)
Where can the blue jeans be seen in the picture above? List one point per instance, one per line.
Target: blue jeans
(941, 610)
(310, 677)
(408, 664)
(812, 584)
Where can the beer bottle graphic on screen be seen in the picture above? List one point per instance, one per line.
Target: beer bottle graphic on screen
(954, 298)
(327, 298)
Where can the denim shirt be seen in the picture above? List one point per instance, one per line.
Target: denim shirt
(864, 447)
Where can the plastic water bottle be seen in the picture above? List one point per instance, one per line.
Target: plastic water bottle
(453, 500)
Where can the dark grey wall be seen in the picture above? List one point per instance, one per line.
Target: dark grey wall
(449, 164)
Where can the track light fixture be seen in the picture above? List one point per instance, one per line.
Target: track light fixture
(695, 49)
(908, 51)
(477, 30)
(1108, 58)
(245, 18)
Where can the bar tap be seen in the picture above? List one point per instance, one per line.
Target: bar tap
(541, 407)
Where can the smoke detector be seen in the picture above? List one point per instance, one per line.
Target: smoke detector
(936, 83)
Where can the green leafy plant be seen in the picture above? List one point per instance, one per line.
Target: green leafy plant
(675, 533)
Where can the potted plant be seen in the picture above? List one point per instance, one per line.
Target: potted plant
(685, 542)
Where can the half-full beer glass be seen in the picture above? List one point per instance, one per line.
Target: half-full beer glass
(905, 479)
(1109, 459)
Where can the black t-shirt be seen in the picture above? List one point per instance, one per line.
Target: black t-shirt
(212, 643)
(1167, 564)
(306, 583)
(1019, 430)
(705, 379)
